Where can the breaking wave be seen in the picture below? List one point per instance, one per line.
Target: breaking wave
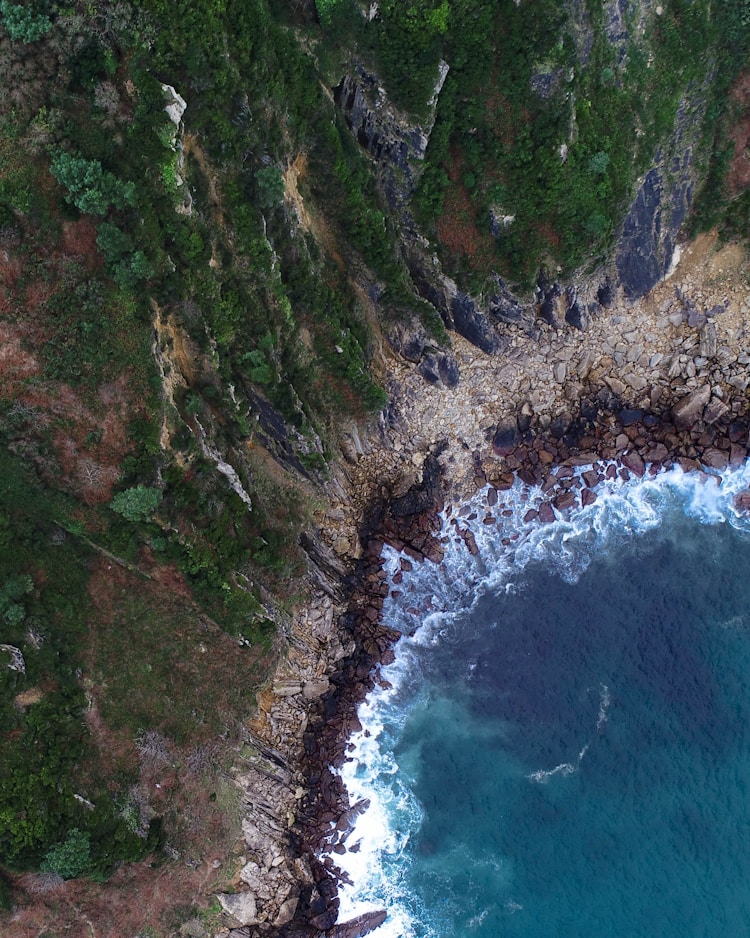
(429, 606)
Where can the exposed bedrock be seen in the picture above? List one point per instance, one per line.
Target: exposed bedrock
(644, 247)
(658, 382)
(646, 244)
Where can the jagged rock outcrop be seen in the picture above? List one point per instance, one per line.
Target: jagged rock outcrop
(645, 245)
(647, 242)
(392, 138)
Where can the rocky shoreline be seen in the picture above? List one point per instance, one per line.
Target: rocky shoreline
(661, 383)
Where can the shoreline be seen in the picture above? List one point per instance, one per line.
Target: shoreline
(409, 524)
(435, 446)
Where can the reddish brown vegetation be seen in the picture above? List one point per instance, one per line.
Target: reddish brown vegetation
(185, 785)
(79, 240)
(137, 897)
(457, 227)
(90, 438)
(738, 176)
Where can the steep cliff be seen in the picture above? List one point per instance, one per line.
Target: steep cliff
(577, 169)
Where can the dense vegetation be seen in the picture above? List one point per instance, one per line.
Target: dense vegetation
(110, 225)
(549, 114)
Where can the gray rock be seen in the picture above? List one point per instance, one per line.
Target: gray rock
(359, 926)
(286, 912)
(649, 232)
(696, 319)
(471, 324)
(708, 340)
(240, 906)
(439, 369)
(689, 409)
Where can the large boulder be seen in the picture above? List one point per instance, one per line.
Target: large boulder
(689, 409)
(241, 906)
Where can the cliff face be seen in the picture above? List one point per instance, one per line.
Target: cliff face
(623, 41)
(649, 235)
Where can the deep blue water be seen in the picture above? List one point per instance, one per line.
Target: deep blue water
(565, 749)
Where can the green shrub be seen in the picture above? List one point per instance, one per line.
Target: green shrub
(22, 23)
(91, 188)
(136, 504)
(270, 186)
(71, 857)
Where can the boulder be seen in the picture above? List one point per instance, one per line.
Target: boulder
(658, 453)
(715, 458)
(634, 463)
(286, 912)
(506, 438)
(359, 926)
(546, 513)
(241, 906)
(587, 497)
(715, 410)
(689, 409)
(565, 500)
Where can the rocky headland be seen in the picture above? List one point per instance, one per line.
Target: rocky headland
(650, 384)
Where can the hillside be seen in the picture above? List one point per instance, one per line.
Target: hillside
(230, 231)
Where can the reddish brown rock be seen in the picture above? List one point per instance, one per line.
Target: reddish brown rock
(634, 463)
(546, 513)
(658, 453)
(565, 500)
(583, 459)
(587, 497)
(715, 458)
(715, 410)
(591, 478)
(686, 464)
(737, 455)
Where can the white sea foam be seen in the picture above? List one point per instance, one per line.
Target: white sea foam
(567, 768)
(604, 701)
(431, 604)
(544, 775)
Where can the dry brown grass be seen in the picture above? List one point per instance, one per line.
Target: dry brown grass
(458, 229)
(738, 175)
(187, 785)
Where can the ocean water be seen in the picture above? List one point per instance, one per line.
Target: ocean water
(563, 746)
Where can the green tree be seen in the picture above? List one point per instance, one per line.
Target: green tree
(22, 23)
(128, 266)
(270, 186)
(91, 188)
(70, 857)
(136, 504)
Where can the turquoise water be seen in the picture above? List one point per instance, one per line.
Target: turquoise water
(565, 745)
